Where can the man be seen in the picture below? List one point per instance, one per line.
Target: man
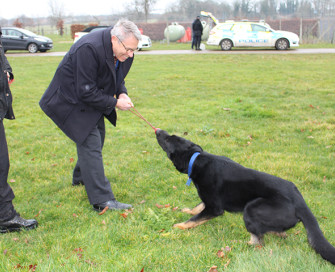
(87, 87)
(197, 32)
(10, 220)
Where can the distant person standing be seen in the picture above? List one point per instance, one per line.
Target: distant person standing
(197, 32)
(10, 220)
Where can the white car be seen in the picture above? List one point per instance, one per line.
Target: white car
(145, 41)
(250, 34)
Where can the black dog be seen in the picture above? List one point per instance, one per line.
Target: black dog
(268, 203)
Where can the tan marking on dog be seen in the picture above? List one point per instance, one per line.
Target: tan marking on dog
(196, 210)
(255, 240)
(189, 224)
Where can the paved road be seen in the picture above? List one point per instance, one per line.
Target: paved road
(187, 52)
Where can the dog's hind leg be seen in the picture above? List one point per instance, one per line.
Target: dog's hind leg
(198, 219)
(196, 210)
(268, 216)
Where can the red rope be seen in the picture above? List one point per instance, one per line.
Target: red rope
(141, 117)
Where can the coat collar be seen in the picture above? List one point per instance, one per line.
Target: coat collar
(107, 40)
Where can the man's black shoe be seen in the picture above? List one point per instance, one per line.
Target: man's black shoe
(112, 205)
(17, 224)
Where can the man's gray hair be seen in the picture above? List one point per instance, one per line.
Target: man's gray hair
(125, 28)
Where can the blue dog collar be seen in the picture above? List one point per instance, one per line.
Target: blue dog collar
(190, 165)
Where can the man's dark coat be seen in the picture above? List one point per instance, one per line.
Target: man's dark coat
(197, 27)
(6, 110)
(85, 86)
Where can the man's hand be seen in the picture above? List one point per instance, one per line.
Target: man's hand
(124, 102)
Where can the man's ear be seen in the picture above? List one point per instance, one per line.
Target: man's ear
(114, 39)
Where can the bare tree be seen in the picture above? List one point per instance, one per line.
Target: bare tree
(142, 7)
(57, 12)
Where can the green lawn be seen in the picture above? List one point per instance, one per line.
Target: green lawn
(273, 113)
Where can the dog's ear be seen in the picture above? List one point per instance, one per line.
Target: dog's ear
(198, 148)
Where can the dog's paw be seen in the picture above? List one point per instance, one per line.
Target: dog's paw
(255, 240)
(180, 226)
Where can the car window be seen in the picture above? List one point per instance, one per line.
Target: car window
(14, 33)
(241, 27)
(225, 26)
(258, 28)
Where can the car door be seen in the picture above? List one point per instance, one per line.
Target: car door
(243, 35)
(261, 35)
(14, 39)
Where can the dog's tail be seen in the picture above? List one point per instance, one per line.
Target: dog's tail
(314, 234)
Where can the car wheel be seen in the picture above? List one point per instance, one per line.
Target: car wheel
(226, 44)
(282, 44)
(32, 48)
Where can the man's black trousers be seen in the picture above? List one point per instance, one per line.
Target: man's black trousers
(90, 169)
(7, 210)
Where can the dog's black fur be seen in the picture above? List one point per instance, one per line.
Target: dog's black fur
(268, 203)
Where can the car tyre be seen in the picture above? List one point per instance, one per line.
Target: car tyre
(226, 44)
(282, 44)
(32, 48)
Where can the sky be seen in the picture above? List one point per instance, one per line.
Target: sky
(41, 8)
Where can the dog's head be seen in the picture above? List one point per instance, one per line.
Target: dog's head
(178, 149)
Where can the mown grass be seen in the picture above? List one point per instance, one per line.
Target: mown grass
(274, 113)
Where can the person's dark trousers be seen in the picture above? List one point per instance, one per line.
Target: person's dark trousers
(90, 169)
(7, 210)
(197, 41)
(193, 43)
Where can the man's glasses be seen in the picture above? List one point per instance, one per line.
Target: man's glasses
(128, 50)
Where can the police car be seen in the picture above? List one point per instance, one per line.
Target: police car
(250, 34)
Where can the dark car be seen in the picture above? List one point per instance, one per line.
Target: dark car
(14, 38)
(78, 35)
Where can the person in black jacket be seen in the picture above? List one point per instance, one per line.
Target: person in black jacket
(197, 29)
(10, 220)
(87, 87)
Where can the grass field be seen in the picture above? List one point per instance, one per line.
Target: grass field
(273, 113)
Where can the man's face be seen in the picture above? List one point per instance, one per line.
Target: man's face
(124, 49)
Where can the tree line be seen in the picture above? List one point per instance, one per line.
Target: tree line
(185, 10)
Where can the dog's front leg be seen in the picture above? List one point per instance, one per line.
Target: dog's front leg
(196, 210)
(198, 219)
